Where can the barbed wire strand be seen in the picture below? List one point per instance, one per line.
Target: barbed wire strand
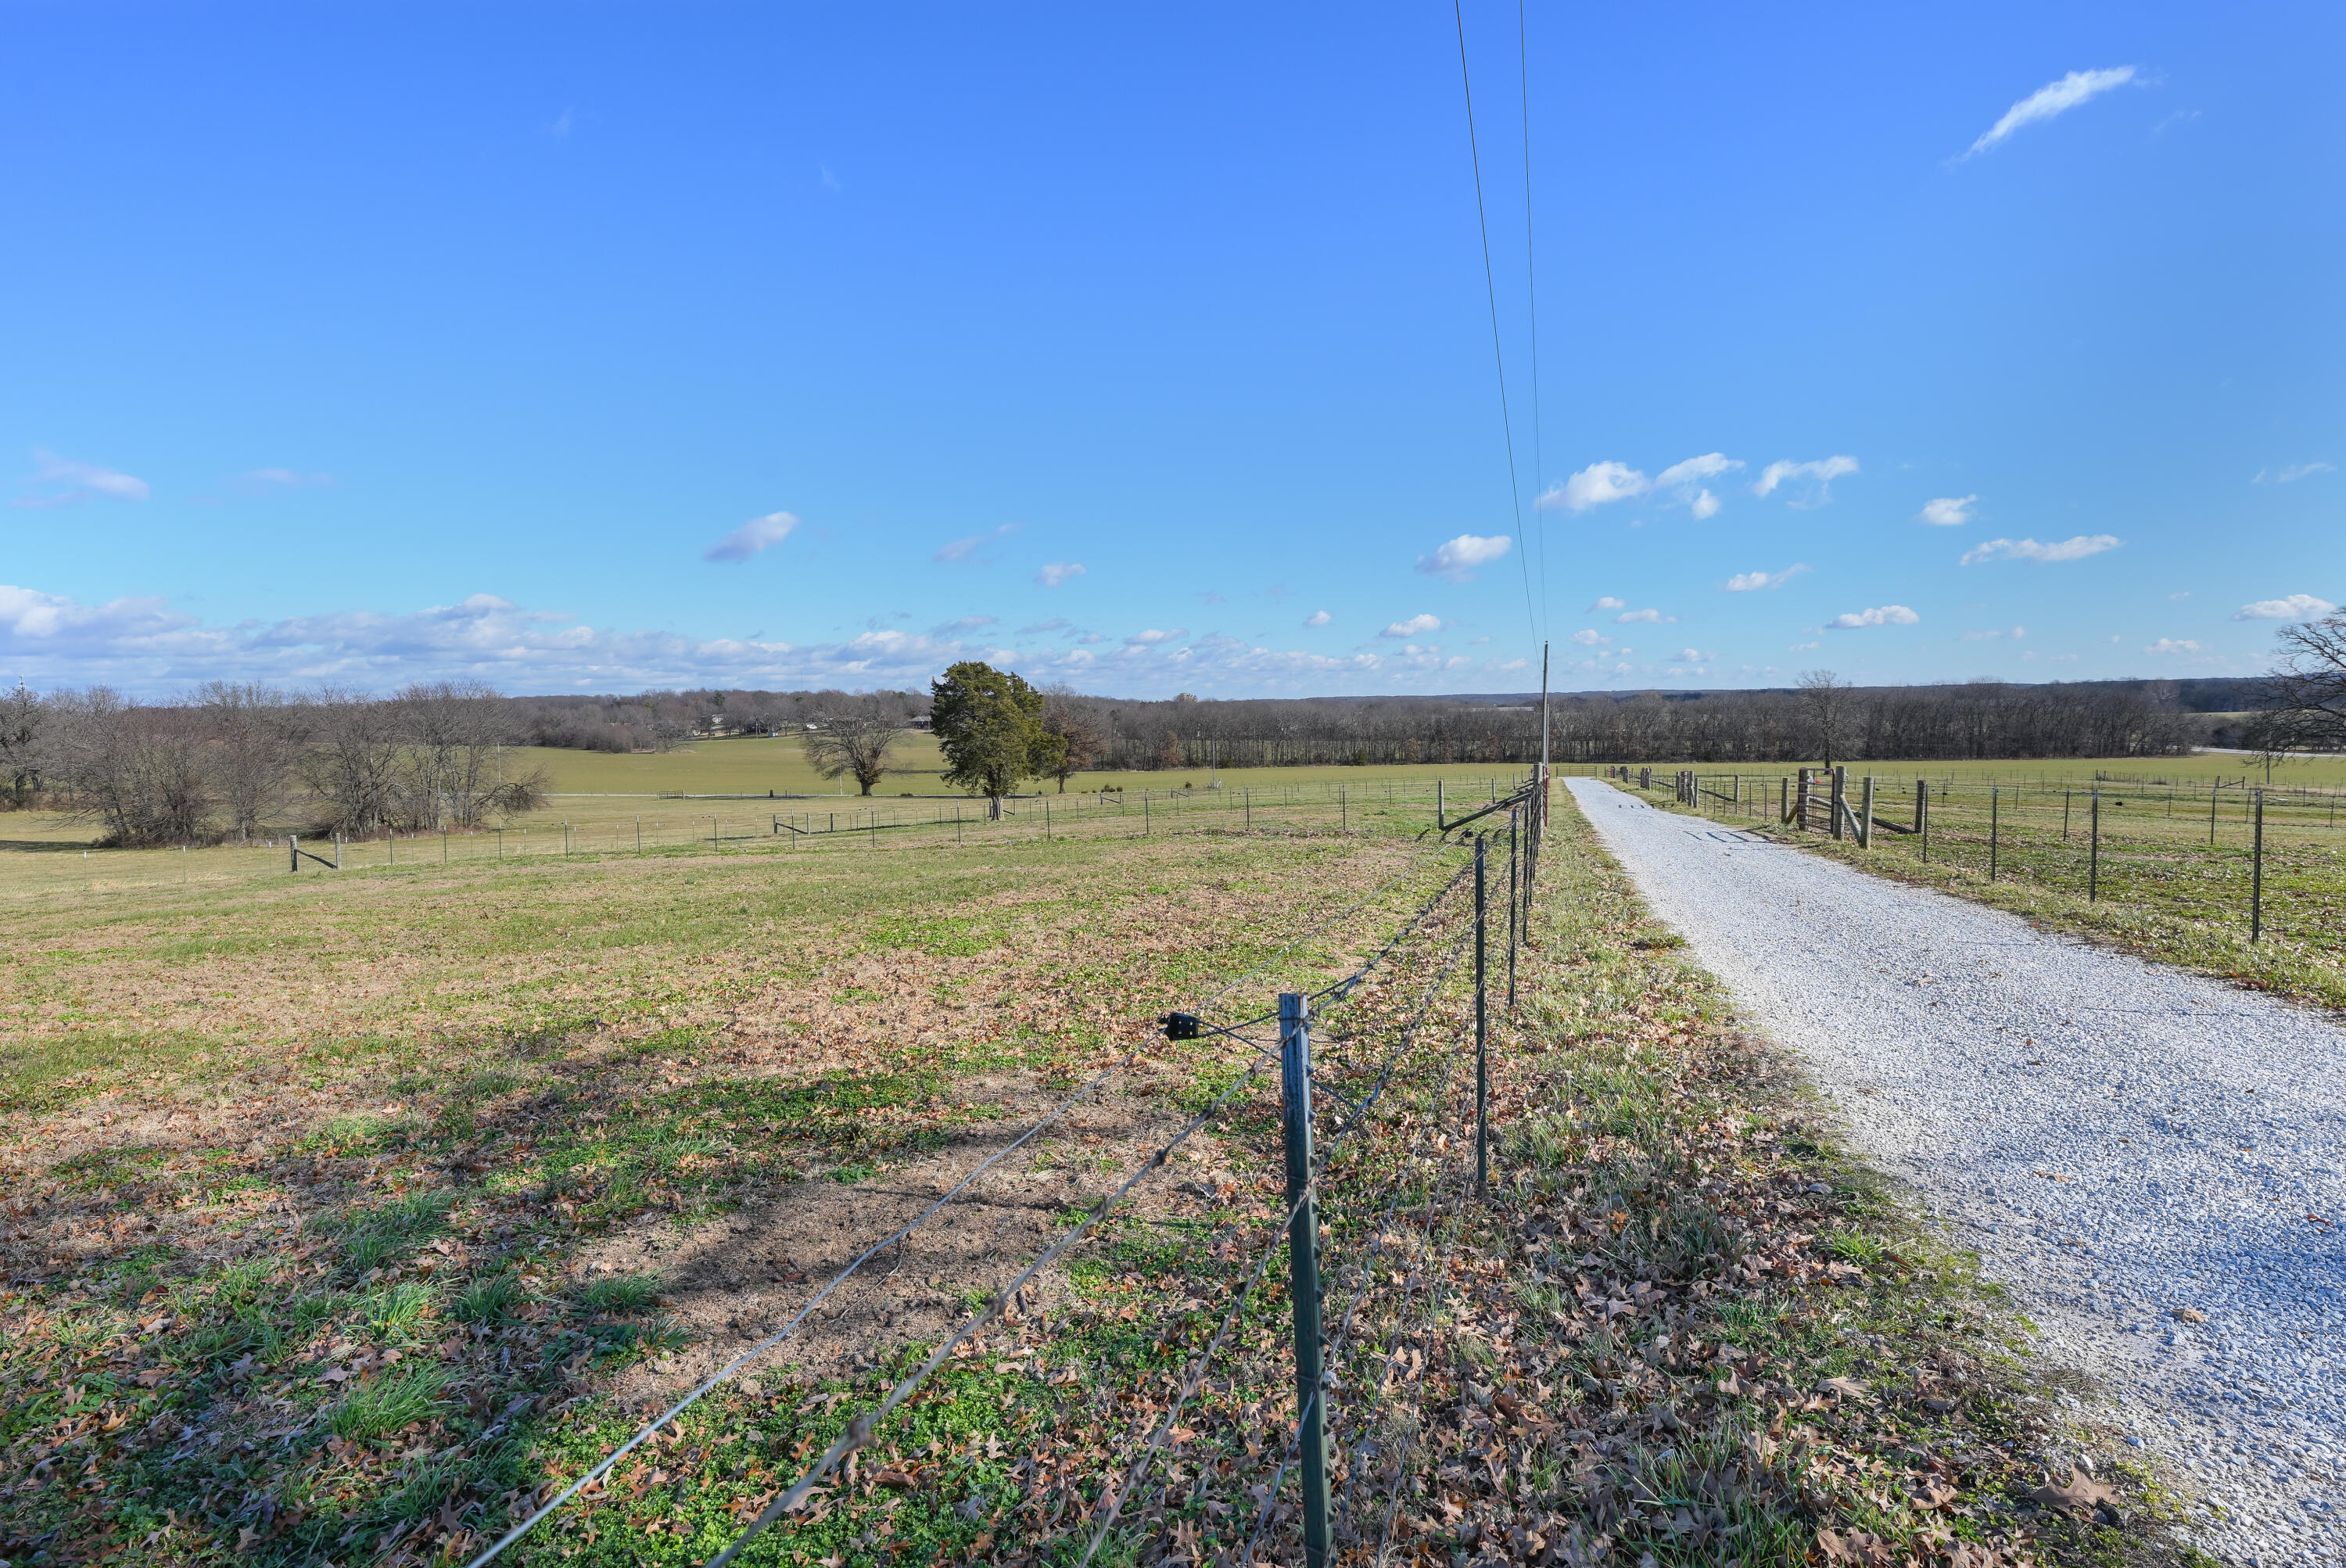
(859, 1430)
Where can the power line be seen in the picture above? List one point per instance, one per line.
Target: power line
(1491, 289)
(1531, 288)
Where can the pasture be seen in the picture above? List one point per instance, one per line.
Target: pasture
(353, 1215)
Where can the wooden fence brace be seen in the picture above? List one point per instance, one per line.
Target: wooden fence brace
(2256, 876)
(1482, 1036)
(1304, 1272)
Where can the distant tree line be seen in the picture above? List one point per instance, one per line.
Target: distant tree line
(663, 720)
(241, 760)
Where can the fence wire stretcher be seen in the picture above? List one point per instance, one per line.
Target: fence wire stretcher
(1368, 1084)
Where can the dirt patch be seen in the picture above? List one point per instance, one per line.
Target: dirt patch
(730, 1282)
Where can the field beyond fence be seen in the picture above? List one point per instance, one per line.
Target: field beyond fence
(2212, 868)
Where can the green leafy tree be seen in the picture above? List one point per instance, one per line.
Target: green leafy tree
(989, 723)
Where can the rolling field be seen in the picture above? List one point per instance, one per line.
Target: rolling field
(353, 1215)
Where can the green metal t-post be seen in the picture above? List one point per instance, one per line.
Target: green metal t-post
(1482, 1035)
(1303, 1271)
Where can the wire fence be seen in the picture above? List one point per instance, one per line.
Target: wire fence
(1357, 1197)
(771, 824)
(2230, 852)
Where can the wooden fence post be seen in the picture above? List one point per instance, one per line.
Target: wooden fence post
(1865, 822)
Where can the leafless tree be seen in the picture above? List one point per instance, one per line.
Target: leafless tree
(854, 744)
(1825, 697)
(1080, 744)
(354, 761)
(138, 770)
(453, 770)
(2305, 696)
(252, 741)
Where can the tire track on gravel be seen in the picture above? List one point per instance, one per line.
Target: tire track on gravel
(2118, 1140)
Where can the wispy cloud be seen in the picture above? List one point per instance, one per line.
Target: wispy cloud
(1880, 615)
(964, 548)
(1989, 636)
(1595, 486)
(2076, 549)
(1153, 636)
(1812, 481)
(1685, 481)
(1317, 618)
(1054, 572)
(2295, 608)
(1748, 582)
(965, 624)
(263, 481)
(1627, 616)
(1455, 559)
(1947, 510)
(66, 482)
(1589, 637)
(1056, 623)
(2171, 646)
(1803, 648)
(1415, 626)
(757, 535)
(2049, 100)
(2293, 473)
(1607, 603)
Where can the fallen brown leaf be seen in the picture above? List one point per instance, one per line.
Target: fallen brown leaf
(2078, 1499)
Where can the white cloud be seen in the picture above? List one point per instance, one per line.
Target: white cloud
(2295, 608)
(1803, 648)
(2016, 633)
(1597, 484)
(1816, 478)
(2052, 98)
(1455, 558)
(1625, 616)
(1747, 582)
(1056, 623)
(1704, 505)
(2183, 595)
(1688, 655)
(1880, 615)
(1947, 510)
(2171, 646)
(962, 549)
(2293, 473)
(2076, 549)
(1153, 636)
(1607, 603)
(1694, 470)
(1416, 625)
(966, 624)
(1589, 637)
(64, 481)
(756, 534)
(1054, 572)
(1317, 618)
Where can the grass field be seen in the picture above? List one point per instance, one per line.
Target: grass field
(2163, 861)
(345, 1215)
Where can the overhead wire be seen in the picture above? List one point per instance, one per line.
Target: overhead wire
(1531, 290)
(1491, 289)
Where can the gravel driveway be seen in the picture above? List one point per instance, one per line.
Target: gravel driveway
(2117, 1139)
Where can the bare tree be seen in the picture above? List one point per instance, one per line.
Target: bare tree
(453, 770)
(854, 744)
(352, 763)
(138, 770)
(252, 742)
(1826, 698)
(2305, 696)
(1079, 744)
(21, 722)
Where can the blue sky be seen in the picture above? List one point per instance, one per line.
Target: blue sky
(1148, 348)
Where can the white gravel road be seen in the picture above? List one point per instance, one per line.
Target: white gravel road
(2117, 1139)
